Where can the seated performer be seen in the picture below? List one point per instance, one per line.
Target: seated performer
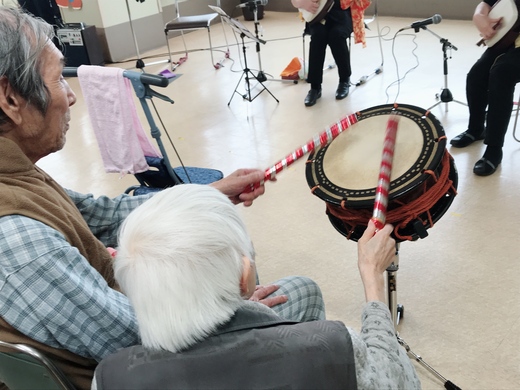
(57, 290)
(332, 31)
(189, 283)
(490, 86)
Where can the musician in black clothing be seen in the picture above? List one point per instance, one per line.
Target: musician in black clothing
(333, 30)
(490, 85)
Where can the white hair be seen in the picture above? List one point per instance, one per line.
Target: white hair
(179, 262)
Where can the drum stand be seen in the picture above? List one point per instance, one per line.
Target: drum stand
(397, 312)
(445, 95)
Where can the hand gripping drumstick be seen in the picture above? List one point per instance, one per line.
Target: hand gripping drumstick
(321, 139)
(381, 201)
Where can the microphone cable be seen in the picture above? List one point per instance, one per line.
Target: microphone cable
(400, 79)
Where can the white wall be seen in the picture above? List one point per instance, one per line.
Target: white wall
(108, 13)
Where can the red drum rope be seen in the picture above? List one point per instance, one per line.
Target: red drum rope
(406, 209)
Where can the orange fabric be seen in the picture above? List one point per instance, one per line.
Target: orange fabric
(292, 70)
(357, 9)
(76, 4)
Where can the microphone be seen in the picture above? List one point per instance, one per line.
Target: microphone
(435, 19)
(252, 3)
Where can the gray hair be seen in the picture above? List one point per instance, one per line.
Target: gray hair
(179, 261)
(22, 39)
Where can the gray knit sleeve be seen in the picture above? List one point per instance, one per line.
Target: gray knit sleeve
(381, 363)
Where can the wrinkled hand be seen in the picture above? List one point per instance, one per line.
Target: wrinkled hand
(376, 251)
(234, 186)
(261, 293)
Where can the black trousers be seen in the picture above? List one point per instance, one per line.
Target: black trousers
(333, 33)
(490, 85)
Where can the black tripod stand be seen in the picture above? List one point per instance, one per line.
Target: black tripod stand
(445, 96)
(261, 75)
(248, 75)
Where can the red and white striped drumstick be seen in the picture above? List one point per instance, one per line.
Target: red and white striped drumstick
(321, 139)
(383, 184)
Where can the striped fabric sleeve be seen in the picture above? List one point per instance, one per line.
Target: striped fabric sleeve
(49, 292)
(104, 215)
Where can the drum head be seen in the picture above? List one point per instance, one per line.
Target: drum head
(345, 172)
(347, 169)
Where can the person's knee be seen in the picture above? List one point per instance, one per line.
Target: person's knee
(311, 286)
(305, 300)
(503, 76)
(473, 77)
(305, 286)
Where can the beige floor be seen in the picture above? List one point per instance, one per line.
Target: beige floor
(459, 286)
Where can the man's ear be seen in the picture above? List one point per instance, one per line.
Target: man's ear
(10, 101)
(244, 279)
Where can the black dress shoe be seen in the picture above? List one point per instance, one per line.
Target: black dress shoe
(312, 96)
(465, 139)
(484, 167)
(342, 91)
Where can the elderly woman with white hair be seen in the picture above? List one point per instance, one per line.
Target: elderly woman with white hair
(190, 284)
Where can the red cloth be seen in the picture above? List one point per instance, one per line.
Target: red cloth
(76, 4)
(357, 9)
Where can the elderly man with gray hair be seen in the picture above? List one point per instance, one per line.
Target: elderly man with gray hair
(189, 283)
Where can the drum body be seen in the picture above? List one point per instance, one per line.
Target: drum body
(423, 183)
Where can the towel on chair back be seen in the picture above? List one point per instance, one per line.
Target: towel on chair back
(121, 138)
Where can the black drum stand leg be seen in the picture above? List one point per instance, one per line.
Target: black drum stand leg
(397, 312)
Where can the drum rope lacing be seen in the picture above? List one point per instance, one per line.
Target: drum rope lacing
(405, 211)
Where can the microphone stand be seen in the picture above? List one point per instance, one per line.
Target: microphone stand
(139, 62)
(445, 96)
(261, 75)
(363, 79)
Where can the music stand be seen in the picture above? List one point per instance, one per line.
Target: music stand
(240, 29)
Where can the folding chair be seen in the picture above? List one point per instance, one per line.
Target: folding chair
(23, 367)
(161, 174)
(194, 22)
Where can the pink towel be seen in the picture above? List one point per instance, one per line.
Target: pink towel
(120, 135)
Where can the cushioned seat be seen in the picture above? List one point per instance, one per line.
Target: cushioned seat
(191, 22)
